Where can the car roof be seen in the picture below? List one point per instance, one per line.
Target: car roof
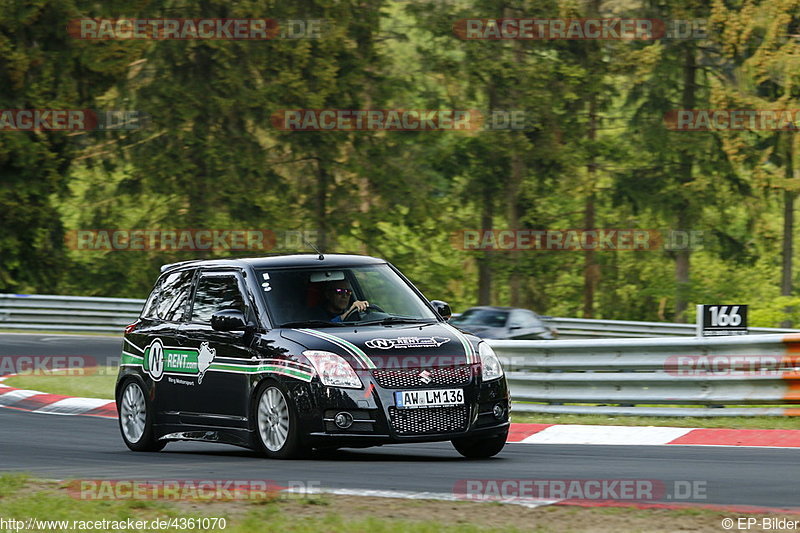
(500, 308)
(282, 261)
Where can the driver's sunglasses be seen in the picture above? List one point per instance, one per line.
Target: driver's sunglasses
(346, 292)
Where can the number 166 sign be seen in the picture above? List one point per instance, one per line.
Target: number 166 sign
(715, 320)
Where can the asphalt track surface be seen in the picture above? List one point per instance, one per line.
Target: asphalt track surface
(77, 447)
(101, 349)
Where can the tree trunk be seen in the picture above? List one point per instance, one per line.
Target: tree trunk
(681, 274)
(515, 279)
(788, 228)
(591, 271)
(685, 173)
(484, 262)
(788, 234)
(321, 207)
(590, 268)
(515, 183)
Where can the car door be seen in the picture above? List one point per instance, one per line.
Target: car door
(216, 387)
(158, 334)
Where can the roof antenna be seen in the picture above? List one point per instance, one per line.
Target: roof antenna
(321, 257)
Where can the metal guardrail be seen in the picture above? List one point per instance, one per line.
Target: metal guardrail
(618, 376)
(586, 327)
(716, 376)
(83, 314)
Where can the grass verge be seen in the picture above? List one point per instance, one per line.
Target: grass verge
(92, 382)
(23, 498)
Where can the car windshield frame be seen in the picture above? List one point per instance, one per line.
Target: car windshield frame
(288, 294)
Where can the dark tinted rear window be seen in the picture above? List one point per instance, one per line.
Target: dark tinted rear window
(174, 295)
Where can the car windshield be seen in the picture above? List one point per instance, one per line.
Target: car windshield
(320, 297)
(492, 318)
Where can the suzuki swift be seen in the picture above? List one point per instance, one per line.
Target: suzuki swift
(286, 354)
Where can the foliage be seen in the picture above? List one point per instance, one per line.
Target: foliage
(595, 143)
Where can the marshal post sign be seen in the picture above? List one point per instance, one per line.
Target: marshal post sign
(716, 320)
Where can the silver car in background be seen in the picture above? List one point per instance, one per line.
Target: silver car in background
(491, 322)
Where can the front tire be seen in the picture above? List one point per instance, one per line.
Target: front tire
(480, 448)
(277, 423)
(136, 419)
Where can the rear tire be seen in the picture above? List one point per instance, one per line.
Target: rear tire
(277, 423)
(480, 448)
(136, 418)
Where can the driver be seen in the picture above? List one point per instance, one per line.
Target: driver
(336, 295)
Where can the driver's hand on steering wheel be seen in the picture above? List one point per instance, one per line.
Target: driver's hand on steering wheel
(358, 305)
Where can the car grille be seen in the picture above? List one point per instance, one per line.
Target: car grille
(430, 420)
(410, 378)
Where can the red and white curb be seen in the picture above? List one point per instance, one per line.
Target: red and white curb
(55, 404)
(652, 436)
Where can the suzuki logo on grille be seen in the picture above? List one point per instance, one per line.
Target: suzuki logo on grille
(425, 377)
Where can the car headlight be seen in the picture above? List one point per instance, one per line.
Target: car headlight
(490, 364)
(333, 370)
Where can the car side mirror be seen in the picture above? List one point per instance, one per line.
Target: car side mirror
(228, 320)
(443, 308)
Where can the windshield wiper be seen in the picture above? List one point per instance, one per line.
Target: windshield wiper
(310, 323)
(397, 320)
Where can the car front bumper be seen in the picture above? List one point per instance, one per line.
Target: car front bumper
(377, 420)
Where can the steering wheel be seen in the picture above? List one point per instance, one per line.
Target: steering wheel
(370, 308)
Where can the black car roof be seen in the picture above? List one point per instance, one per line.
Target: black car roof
(283, 261)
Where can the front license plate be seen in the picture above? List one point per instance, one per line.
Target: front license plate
(428, 398)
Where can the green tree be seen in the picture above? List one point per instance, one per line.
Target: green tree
(758, 40)
(42, 67)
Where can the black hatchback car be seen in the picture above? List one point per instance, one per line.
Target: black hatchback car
(288, 353)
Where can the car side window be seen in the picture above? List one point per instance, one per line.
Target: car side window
(516, 320)
(216, 293)
(530, 320)
(149, 309)
(174, 296)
